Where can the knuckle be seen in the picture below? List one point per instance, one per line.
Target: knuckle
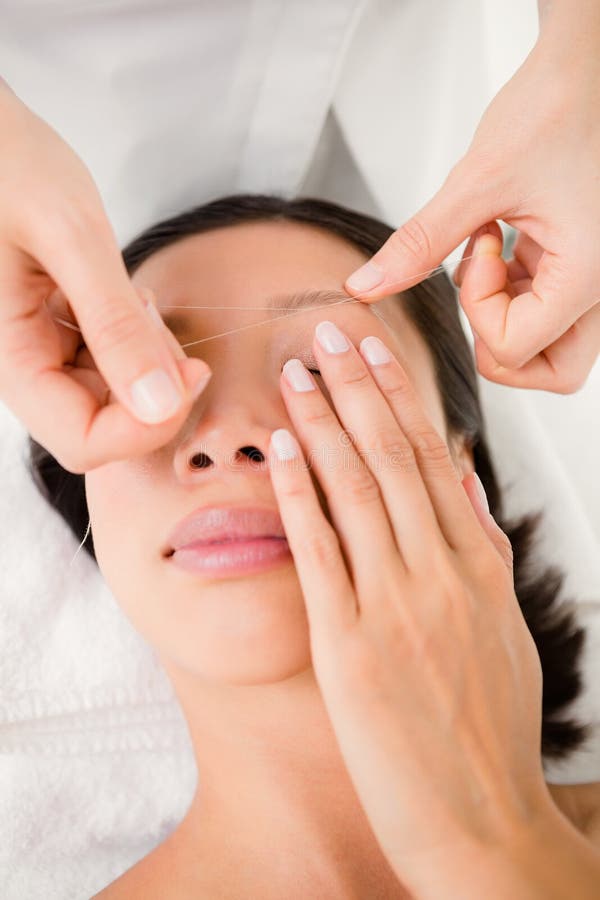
(431, 449)
(359, 487)
(318, 415)
(490, 563)
(510, 357)
(360, 666)
(569, 383)
(399, 393)
(70, 460)
(112, 327)
(76, 223)
(357, 378)
(293, 490)
(412, 238)
(322, 547)
(389, 442)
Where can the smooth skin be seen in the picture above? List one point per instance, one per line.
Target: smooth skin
(345, 713)
(56, 243)
(533, 163)
(411, 587)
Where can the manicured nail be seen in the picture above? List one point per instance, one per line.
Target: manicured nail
(297, 376)
(154, 314)
(487, 244)
(365, 278)
(284, 444)
(200, 385)
(481, 492)
(375, 351)
(331, 338)
(155, 397)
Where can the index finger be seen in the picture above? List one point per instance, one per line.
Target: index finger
(131, 354)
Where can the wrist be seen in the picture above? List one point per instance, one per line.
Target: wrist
(543, 860)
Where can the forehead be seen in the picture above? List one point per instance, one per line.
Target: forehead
(248, 260)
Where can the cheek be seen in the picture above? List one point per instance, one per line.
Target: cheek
(116, 517)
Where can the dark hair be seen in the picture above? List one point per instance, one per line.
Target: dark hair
(432, 307)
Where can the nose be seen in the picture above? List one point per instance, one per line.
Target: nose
(230, 425)
(202, 460)
(229, 436)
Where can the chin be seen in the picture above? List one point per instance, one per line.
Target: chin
(244, 631)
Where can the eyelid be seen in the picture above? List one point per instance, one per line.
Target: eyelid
(307, 359)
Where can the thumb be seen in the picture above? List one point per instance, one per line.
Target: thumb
(132, 355)
(476, 494)
(456, 211)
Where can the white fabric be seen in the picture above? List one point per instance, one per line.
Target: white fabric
(171, 104)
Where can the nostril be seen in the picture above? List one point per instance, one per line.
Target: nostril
(200, 461)
(253, 453)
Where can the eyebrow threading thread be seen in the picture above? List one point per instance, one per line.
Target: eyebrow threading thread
(87, 531)
(429, 273)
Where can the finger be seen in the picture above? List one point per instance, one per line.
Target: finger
(351, 492)
(476, 494)
(328, 592)
(458, 273)
(71, 339)
(59, 411)
(380, 441)
(133, 357)
(528, 253)
(90, 433)
(516, 327)
(455, 515)
(420, 245)
(489, 228)
(563, 367)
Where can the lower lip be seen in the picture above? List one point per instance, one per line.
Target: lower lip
(220, 559)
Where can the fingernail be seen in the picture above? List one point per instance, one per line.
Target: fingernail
(481, 492)
(297, 376)
(284, 444)
(331, 338)
(200, 385)
(487, 244)
(155, 397)
(375, 351)
(154, 314)
(365, 278)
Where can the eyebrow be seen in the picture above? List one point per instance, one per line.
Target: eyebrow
(277, 302)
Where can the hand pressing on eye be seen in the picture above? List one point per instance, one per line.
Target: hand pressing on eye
(430, 677)
(58, 251)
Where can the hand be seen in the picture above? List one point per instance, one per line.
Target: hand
(429, 674)
(533, 162)
(56, 245)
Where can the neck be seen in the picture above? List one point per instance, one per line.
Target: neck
(274, 803)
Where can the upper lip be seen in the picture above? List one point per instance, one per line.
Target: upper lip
(220, 523)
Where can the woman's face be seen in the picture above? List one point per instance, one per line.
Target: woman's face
(247, 627)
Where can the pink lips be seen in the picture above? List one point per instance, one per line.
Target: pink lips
(222, 541)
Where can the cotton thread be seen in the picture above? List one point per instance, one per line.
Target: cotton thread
(82, 543)
(429, 273)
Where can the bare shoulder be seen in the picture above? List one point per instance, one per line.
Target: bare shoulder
(165, 874)
(580, 803)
